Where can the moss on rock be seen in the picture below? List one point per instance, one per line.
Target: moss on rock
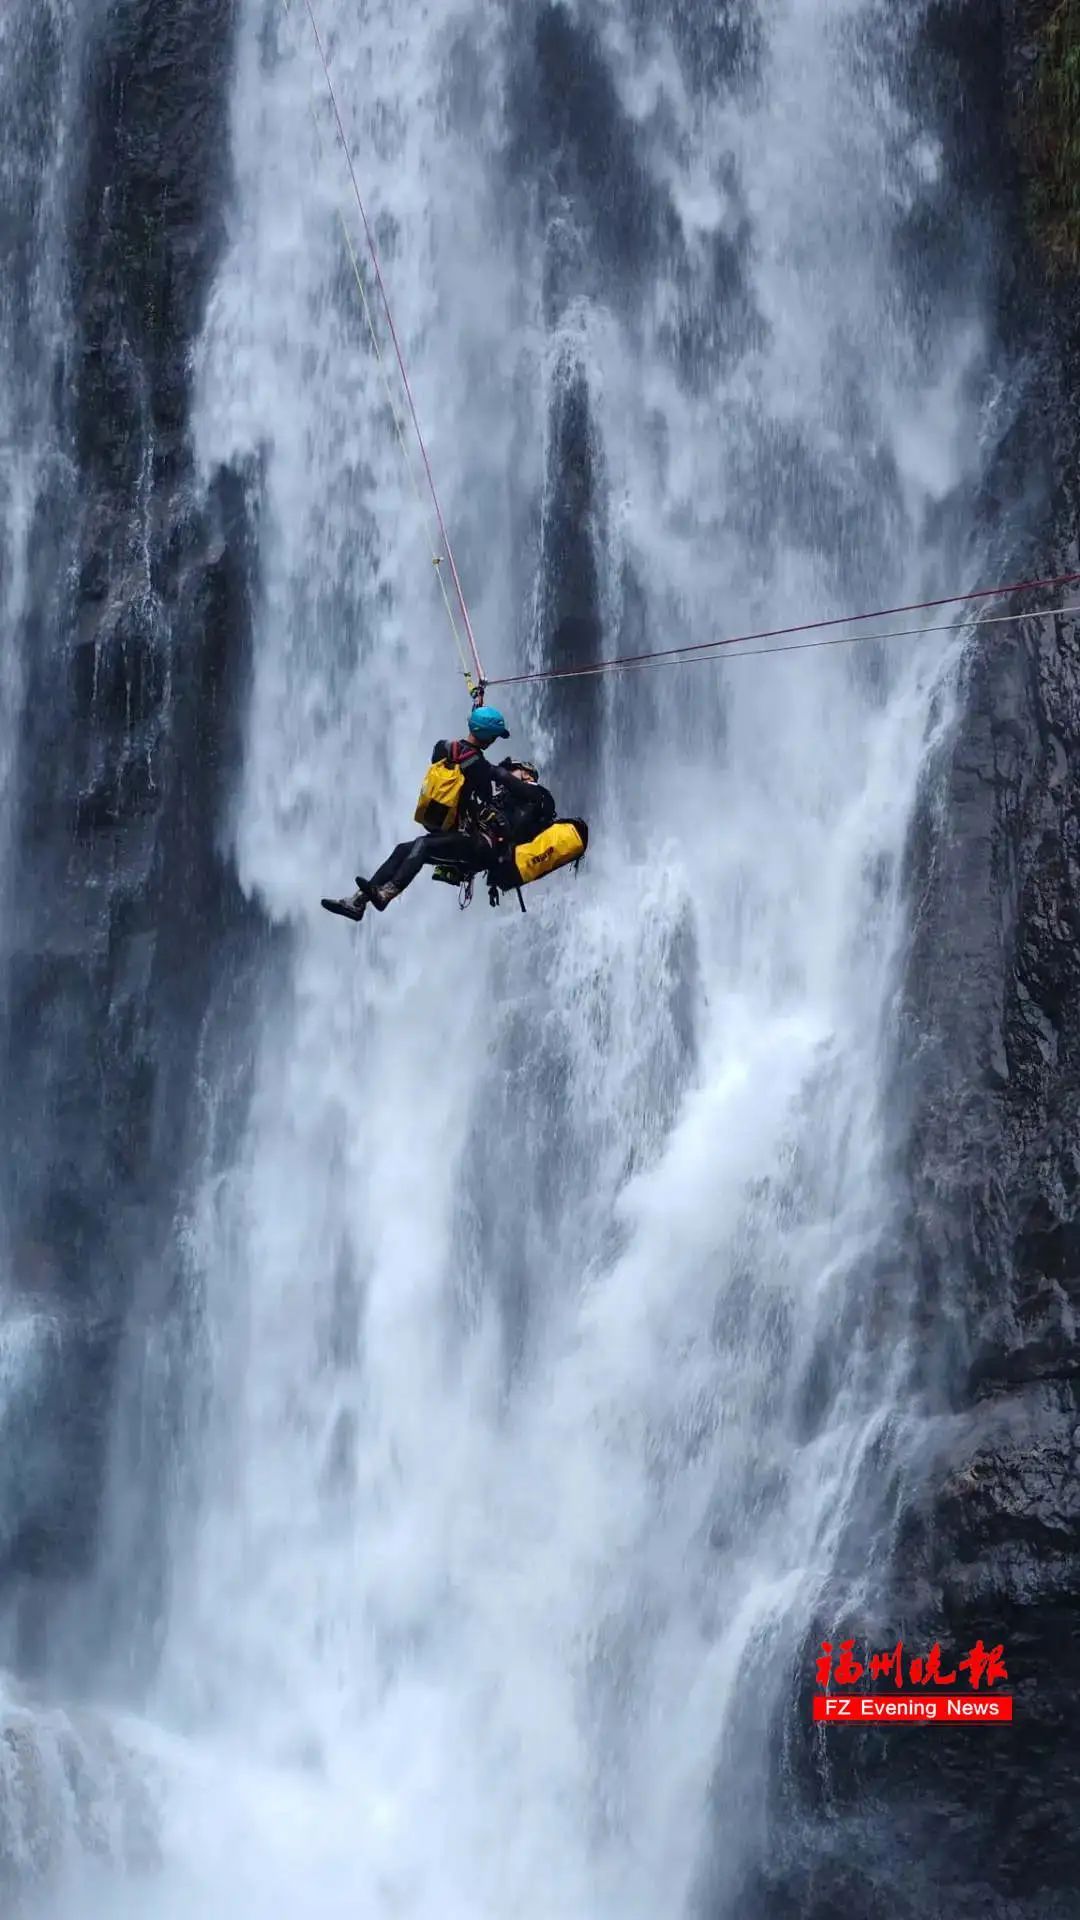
(1050, 131)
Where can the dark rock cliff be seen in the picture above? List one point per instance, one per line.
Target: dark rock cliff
(985, 1543)
(135, 657)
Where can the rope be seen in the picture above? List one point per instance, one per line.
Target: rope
(385, 298)
(395, 415)
(854, 639)
(686, 656)
(399, 429)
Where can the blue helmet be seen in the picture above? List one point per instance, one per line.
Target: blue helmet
(487, 724)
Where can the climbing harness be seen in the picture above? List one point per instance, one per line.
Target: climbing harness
(563, 844)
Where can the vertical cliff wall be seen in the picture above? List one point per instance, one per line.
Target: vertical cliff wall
(132, 658)
(986, 1498)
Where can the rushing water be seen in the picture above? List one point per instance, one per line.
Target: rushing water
(543, 1335)
(38, 46)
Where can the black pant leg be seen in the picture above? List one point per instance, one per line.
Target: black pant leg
(458, 849)
(390, 866)
(435, 849)
(431, 850)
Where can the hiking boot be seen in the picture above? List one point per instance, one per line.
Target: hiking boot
(380, 897)
(352, 909)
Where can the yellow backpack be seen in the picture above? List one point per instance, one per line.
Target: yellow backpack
(557, 846)
(440, 796)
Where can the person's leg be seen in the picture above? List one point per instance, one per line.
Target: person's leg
(465, 850)
(388, 872)
(370, 892)
(430, 850)
(401, 869)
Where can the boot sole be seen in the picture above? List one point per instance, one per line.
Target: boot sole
(347, 913)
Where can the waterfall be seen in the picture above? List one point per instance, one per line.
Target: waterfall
(551, 1310)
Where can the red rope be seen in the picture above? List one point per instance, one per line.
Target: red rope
(779, 633)
(373, 250)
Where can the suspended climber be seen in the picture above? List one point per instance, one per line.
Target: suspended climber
(477, 818)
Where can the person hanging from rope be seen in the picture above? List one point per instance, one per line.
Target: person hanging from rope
(520, 811)
(464, 827)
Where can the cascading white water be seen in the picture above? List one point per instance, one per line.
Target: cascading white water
(508, 1484)
(38, 47)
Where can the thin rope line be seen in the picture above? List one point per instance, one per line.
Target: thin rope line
(399, 426)
(646, 664)
(373, 250)
(399, 429)
(684, 655)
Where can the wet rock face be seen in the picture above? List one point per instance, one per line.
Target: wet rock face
(907, 1823)
(146, 221)
(990, 1544)
(134, 665)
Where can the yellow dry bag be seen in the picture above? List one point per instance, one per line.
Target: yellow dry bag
(557, 846)
(444, 783)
